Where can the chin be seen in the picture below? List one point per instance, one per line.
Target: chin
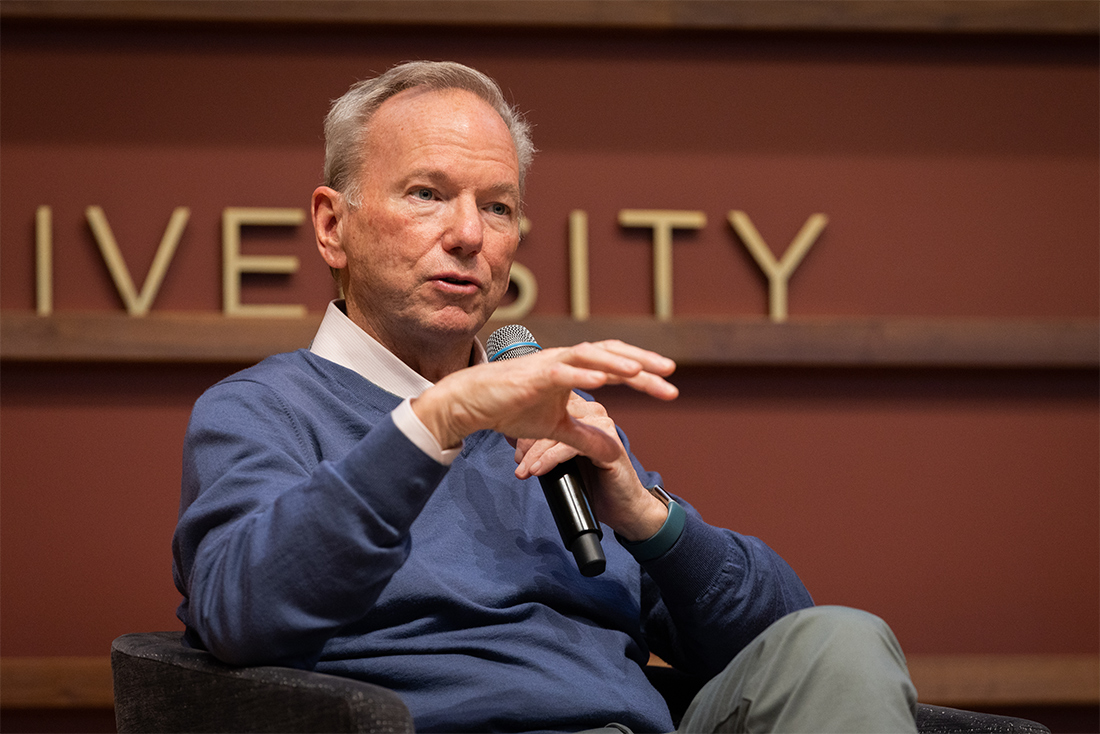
(455, 325)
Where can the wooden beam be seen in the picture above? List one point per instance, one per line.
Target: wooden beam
(945, 680)
(823, 342)
(1006, 680)
(836, 342)
(56, 682)
(173, 337)
(1075, 17)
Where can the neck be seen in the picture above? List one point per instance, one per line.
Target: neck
(433, 355)
(434, 361)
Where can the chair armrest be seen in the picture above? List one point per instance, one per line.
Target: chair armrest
(943, 720)
(161, 685)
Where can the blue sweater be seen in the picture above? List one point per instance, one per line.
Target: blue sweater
(314, 534)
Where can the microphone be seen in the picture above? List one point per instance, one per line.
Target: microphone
(564, 489)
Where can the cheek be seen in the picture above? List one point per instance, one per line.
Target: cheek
(389, 226)
(501, 250)
(383, 238)
(500, 263)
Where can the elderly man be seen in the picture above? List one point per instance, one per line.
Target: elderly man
(368, 507)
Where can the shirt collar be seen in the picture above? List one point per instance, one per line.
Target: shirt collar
(340, 340)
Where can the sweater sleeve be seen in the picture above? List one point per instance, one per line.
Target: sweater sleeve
(712, 593)
(275, 549)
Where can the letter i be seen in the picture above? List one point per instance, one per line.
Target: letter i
(578, 264)
(43, 250)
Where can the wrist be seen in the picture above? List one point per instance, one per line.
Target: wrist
(406, 420)
(658, 543)
(647, 521)
(438, 418)
(654, 517)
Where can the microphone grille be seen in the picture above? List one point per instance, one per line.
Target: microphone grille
(509, 342)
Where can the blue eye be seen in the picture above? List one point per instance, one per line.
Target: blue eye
(423, 194)
(499, 209)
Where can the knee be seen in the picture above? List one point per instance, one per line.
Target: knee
(842, 664)
(842, 635)
(840, 621)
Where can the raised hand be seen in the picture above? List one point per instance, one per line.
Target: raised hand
(529, 397)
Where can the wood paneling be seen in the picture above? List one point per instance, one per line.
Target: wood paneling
(957, 16)
(56, 682)
(201, 337)
(946, 680)
(1006, 680)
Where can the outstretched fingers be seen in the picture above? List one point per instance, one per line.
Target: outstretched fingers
(626, 364)
(528, 397)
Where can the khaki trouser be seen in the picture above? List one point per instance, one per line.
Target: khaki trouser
(822, 669)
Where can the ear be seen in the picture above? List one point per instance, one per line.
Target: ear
(328, 211)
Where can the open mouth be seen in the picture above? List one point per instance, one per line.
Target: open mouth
(457, 284)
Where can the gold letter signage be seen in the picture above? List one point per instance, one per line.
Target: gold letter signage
(662, 222)
(778, 272)
(137, 304)
(234, 263)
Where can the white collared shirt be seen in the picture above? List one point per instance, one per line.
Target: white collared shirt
(340, 340)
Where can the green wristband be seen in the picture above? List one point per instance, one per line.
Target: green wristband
(659, 543)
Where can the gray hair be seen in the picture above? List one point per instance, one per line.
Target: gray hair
(350, 116)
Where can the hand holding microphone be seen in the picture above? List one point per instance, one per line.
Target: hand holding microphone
(532, 400)
(563, 483)
(563, 486)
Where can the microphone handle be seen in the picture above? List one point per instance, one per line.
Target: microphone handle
(573, 515)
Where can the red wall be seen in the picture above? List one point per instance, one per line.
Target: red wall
(960, 176)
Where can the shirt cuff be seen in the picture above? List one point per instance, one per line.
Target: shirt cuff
(406, 420)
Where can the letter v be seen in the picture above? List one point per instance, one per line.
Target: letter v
(137, 304)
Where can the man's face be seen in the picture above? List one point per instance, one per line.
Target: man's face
(431, 244)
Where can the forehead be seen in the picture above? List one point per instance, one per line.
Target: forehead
(422, 122)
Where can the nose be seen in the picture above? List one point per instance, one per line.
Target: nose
(466, 230)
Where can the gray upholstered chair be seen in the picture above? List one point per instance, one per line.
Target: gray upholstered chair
(163, 686)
